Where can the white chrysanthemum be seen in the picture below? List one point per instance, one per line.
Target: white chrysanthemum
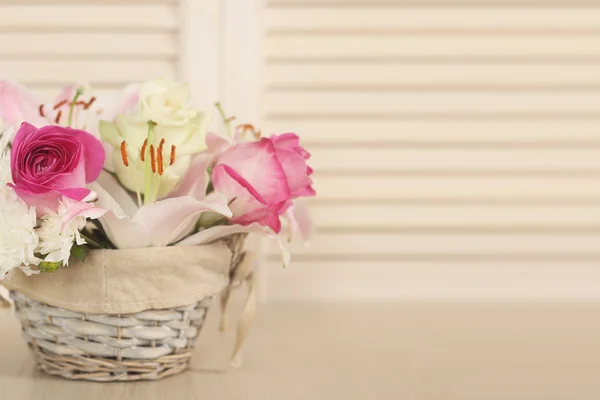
(18, 239)
(5, 176)
(7, 134)
(56, 240)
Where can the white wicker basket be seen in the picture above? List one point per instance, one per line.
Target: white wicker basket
(147, 345)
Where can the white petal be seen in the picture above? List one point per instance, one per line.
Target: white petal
(170, 220)
(117, 193)
(121, 230)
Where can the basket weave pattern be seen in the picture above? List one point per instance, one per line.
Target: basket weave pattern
(144, 346)
(148, 345)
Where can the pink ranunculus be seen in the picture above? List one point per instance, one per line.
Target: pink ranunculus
(262, 178)
(53, 161)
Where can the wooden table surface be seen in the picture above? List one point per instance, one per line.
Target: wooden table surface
(364, 351)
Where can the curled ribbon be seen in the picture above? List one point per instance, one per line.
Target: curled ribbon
(240, 274)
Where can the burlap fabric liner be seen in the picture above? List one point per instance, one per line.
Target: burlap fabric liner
(131, 280)
(128, 281)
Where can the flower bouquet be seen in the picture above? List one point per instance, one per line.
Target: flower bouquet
(121, 217)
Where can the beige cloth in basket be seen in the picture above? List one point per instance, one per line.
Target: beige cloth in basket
(131, 280)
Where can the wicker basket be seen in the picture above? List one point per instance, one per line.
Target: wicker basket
(148, 345)
(145, 346)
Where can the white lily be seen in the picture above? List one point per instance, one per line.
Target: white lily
(157, 224)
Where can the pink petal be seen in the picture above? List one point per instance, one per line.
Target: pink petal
(195, 180)
(127, 102)
(41, 202)
(286, 140)
(93, 153)
(295, 169)
(24, 131)
(68, 94)
(18, 105)
(118, 226)
(300, 220)
(245, 202)
(217, 144)
(290, 141)
(117, 193)
(217, 232)
(257, 163)
(81, 209)
(172, 219)
(75, 193)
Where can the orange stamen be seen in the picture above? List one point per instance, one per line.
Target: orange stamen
(60, 104)
(172, 154)
(57, 119)
(152, 159)
(161, 167)
(42, 111)
(249, 127)
(143, 152)
(124, 153)
(89, 103)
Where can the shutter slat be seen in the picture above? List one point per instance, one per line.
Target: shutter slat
(67, 71)
(436, 133)
(431, 4)
(438, 189)
(397, 18)
(76, 17)
(327, 47)
(88, 44)
(455, 217)
(438, 245)
(396, 102)
(387, 159)
(428, 76)
(37, 3)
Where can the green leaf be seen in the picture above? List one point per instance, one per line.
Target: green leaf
(79, 251)
(49, 266)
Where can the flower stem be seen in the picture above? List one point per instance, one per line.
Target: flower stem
(226, 121)
(78, 93)
(151, 188)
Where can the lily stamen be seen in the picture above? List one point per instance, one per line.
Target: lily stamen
(152, 159)
(42, 111)
(160, 157)
(60, 104)
(89, 103)
(250, 128)
(124, 153)
(57, 119)
(143, 151)
(173, 149)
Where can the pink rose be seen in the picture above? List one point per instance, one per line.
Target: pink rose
(53, 161)
(262, 178)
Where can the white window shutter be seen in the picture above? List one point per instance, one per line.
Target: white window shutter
(47, 44)
(456, 145)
